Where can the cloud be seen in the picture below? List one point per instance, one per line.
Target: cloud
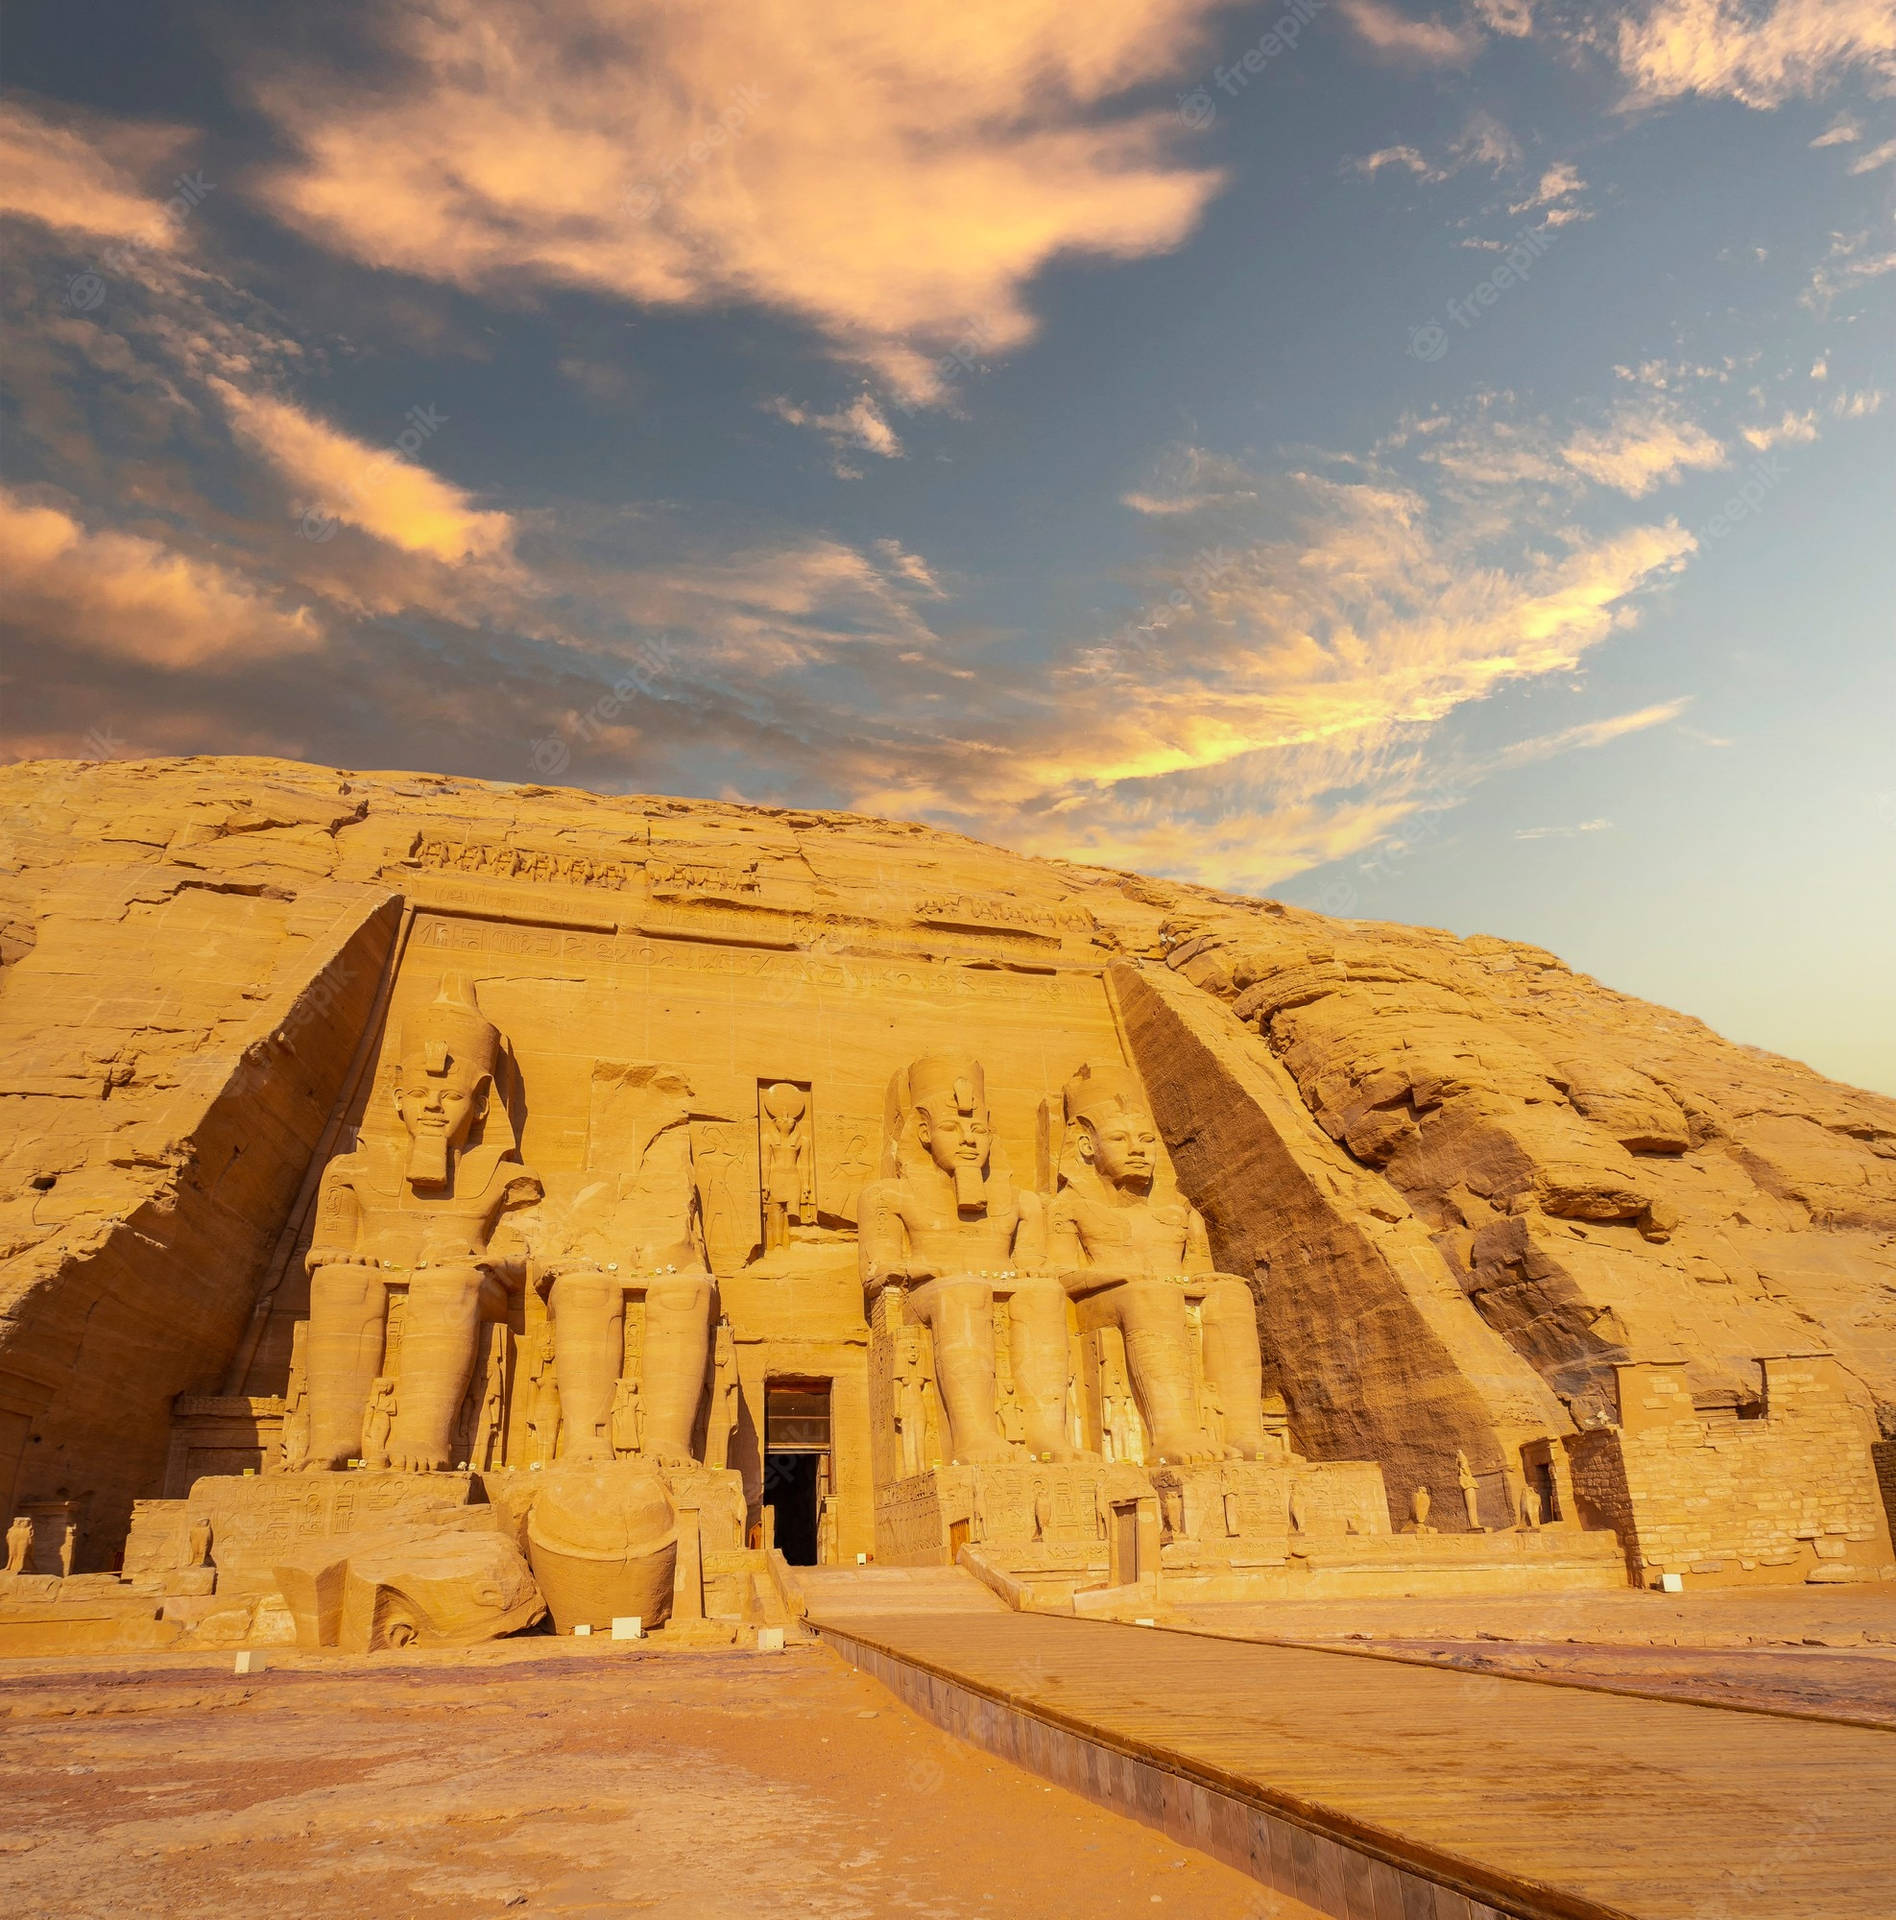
(1512, 18)
(1302, 639)
(1396, 36)
(127, 595)
(375, 488)
(1483, 141)
(84, 173)
(861, 426)
(1558, 190)
(1875, 158)
(879, 168)
(1563, 833)
(1853, 260)
(1842, 134)
(1791, 430)
(1643, 446)
(1787, 50)
(1589, 733)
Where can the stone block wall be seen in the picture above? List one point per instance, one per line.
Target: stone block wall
(1787, 1494)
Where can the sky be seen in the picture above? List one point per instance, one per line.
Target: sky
(1425, 464)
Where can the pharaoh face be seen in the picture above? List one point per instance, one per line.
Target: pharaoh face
(1123, 1147)
(442, 1093)
(955, 1136)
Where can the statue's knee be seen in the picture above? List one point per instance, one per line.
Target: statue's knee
(342, 1293)
(1228, 1300)
(448, 1294)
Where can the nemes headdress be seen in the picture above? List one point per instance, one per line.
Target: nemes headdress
(943, 1080)
(451, 1030)
(1096, 1091)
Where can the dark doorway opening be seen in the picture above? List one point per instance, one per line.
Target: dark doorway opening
(790, 1487)
(797, 1465)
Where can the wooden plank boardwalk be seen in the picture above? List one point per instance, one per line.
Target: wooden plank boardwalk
(1538, 1800)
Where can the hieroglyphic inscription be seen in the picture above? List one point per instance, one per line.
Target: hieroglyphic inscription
(985, 912)
(496, 860)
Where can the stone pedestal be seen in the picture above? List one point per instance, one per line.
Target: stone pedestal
(257, 1521)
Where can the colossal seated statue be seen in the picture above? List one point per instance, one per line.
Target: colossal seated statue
(419, 1209)
(944, 1223)
(1134, 1258)
(635, 1228)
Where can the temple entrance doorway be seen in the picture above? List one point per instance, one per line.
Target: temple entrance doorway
(797, 1479)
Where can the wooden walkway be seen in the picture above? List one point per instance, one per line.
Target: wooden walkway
(1538, 1800)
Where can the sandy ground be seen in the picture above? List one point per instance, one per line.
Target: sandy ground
(543, 1778)
(1828, 1653)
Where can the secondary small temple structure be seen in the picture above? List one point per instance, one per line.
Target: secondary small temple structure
(435, 1208)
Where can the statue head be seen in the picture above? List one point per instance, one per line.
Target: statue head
(784, 1103)
(449, 1052)
(951, 1114)
(1117, 1137)
(949, 1098)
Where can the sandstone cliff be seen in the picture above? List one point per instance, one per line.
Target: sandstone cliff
(1471, 1183)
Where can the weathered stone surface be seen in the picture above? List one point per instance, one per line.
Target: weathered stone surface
(1467, 1188)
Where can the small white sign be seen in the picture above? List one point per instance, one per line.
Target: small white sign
(628, 1626)
(581, 1631)
(769, 1639)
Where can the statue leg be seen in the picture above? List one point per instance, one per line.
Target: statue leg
(677, 1346)
(439, 1338)
(1037, 1320)
(348, 1321)
(1234, 1365)
(1151, 1315)
(588, 1354)
(960, 1314)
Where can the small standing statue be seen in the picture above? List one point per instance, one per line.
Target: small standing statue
(911, 1406)
(722, 1425)
(295, 1440)
(1419, 1503)
(1531, 1516)
(826, 1555)
(198, 1543)
(68, 1545)
(543, 1403)
(1470, 1491)
(788, 1183)
(378, 1421)
(489, 1437)
(19, 1543)
(624, 1417)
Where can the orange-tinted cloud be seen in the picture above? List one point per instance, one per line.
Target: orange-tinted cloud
(1788, 50)
(1643, 446)
(378, 489)
(1394, 35)
(85, 173)
(885, 169)
(134, 597)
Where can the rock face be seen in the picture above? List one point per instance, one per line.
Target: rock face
(1548, 1251)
